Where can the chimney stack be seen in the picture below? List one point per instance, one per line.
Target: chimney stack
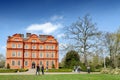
(28, 35)
(22, 35)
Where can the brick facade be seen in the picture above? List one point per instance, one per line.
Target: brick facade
(27, 52)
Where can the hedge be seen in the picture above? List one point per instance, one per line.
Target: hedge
(59, 70)
(12, 70)
(8, 70)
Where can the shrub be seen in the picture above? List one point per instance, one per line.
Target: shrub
(8, 70)
(105, 71)
(60, 70)
(110, 71)
(22, 70)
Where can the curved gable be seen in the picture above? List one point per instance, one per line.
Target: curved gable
(51, 39)
(33, 37)
(16, 37)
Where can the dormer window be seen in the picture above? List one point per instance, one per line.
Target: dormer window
(16, 39)
(33, 40)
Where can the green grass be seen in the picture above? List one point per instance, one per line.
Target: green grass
(61, 77)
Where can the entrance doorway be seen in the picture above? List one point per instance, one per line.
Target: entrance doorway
(33, 65)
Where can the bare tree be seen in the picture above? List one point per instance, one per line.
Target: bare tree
(112, 43)
(83, 33)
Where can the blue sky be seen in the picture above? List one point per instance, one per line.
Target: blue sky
(51, 16)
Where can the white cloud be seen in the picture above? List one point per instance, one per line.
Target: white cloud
(60, 35)
(3, 47)
(56, 17)
(45, 28)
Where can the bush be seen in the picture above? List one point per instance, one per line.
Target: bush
(22, 70)
(8, 70)
(60, 70)
(110, 71)
(105, 71)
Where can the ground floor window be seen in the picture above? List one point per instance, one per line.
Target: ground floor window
(40, 62)
(47, 63)
(26, 63)
(13, 63)
(18, 63)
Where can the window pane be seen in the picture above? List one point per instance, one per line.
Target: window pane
(26, 46)
(13, 63)
(13, 54)
(33, 40)
(46, 47)
(19, 54)
(33, 55)
(47, 63)
(41, 55)
(26, 63)
(52, 47)
(52, 55)
(41, 47)
(40, 62)
(19, 45)
(52, 63)
(13, 46)
(33, 47)
(18, 63)
(47, 55)
(26, 54)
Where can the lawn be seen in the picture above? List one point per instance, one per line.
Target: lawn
(61, 77)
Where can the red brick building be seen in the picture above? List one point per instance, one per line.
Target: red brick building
(27, 52)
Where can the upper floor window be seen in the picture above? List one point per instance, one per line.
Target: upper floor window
(41, 54)
(13, 46)
(33, 47)
(47, 55)
(13, 54)
(52, 55)
(19, 54)
(26, 54)
(47, 47)
(16, 39)
(52, 47)
(19, 46)
(26, 46)
(13, 63)
(33, 55)
(41, 47)
(33, 40)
